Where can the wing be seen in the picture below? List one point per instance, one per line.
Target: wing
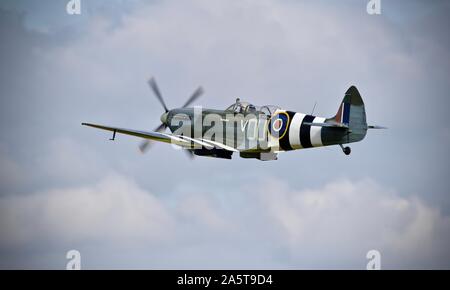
(157, 136)
(183, 141)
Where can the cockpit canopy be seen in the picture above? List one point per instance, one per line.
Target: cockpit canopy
(240, 107)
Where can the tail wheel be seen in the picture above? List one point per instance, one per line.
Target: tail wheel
(347, 150)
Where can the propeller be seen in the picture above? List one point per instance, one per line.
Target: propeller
(198, 92)
(157, 93)
(144, 146)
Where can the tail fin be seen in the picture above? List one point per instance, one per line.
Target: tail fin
(352, 113)
(351, 108)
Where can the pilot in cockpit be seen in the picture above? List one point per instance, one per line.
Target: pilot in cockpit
(238, 106)
(251, 109)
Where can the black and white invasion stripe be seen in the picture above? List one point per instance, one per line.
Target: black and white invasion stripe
(300, 135)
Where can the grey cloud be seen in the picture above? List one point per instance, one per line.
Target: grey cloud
(118, 218)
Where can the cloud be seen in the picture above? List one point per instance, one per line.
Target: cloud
(353, 216)
(115, 210)
(11, 173)
(326, 227)
(68, 160)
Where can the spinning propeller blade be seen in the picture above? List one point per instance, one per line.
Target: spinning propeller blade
(157, 93)
(145, 145)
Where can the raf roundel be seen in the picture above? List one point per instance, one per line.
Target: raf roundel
(278, 125)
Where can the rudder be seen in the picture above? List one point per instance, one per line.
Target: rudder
(351, 105)
(352, 114)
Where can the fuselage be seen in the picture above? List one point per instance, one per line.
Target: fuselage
(259, 132)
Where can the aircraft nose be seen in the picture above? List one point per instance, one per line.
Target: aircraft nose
(164, 118)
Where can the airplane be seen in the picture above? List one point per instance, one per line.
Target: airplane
(259, 132)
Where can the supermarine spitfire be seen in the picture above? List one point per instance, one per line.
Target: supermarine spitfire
(259, 132)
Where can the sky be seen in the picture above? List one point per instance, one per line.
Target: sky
(64, 186)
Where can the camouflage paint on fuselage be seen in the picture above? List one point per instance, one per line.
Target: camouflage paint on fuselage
(282, 131)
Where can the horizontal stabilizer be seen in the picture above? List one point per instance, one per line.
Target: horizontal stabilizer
(376, 127)
(329, 125)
